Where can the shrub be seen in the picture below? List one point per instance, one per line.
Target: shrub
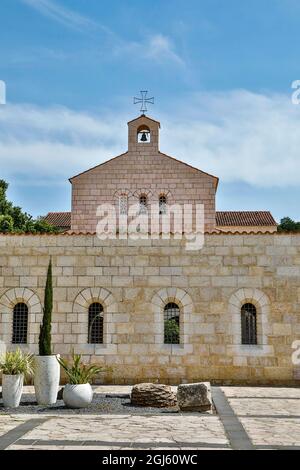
(16, 362)
(171, 332)
(79, 373)
(45, 331)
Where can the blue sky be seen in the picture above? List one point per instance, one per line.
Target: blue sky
(220, 71)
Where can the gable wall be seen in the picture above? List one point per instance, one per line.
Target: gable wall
(138, 172)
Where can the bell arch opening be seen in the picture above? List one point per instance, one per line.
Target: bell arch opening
(143, 135)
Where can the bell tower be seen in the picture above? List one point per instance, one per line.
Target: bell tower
(143, 135)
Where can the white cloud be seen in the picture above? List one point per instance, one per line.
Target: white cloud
(63, 15)
(157, 47)
(238, 136)
(160, 48)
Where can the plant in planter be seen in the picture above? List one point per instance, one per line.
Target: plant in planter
(47, 371)
(14, 365)
(78, 392)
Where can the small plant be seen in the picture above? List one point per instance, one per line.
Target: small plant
(172, 332)
(78, 372)
(45, 331)
(16, 362)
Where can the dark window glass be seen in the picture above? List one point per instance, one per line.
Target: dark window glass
(143, 204)
(95, 323)
(249, 334)
(20, 324)
(162, 204)
(171, 324)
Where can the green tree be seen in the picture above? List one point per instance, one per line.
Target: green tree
(6, 223)
(288, 225)
(172, 333)
(45, 331)
(14, 220)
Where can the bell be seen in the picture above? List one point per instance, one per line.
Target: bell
(144, 137)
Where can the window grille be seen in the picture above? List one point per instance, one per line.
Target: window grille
(20, 324)
(162, 204)
(123, 204)
(171, 324)
(95, 323)
(143, 204)
(249, 333)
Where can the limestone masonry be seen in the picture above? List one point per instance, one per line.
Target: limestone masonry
(134, 281)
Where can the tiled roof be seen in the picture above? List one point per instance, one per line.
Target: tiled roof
(223, 219)
(59, 219)
(244, 219)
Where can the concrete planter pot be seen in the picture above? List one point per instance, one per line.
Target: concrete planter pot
(78, 396)
(12, 388)
(46, 379)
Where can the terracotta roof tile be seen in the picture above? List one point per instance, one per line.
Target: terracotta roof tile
(59, 219)
(244, 219)
(223, 219)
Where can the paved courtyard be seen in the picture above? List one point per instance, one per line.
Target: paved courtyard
(245, 418)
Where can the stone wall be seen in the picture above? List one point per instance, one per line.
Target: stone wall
(134, 281)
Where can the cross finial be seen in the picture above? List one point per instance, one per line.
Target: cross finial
(144, 101)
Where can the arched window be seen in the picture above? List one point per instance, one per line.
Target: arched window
(95, 323)
(123, 203)
(143, 204)
(20, 324)
(249, 334)
(171, 324)
(162, 204)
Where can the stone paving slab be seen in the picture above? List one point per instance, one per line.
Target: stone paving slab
(272, 432)
(255, 417)
(261, 392)
(266, 407)
(7, 423)
(139, 432)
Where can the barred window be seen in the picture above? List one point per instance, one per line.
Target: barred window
(143, 204)
(123, 204)
(20, 324)
(249, 334)
(95, 323)
(162, 204)
(171, 324)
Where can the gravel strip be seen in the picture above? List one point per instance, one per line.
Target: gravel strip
(102, 403)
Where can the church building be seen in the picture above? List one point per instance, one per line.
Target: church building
(149, 308)
(144, 175)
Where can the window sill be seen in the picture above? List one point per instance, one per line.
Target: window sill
(250, 350)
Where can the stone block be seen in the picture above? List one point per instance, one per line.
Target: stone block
(194, 397)
(153, 395)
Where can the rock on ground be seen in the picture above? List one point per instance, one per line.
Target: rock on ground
(194, 397)
(154, 395)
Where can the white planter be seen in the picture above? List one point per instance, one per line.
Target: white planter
(12, 388)
(78, 396)
(46, 379)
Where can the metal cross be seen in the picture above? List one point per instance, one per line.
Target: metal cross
(144, 101)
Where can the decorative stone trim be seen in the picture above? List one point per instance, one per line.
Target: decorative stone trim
(81, 307)
(185, 303)
(260, 300)
(143, 192)
(7, 302)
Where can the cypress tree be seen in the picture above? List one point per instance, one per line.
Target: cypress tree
(45, 331)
